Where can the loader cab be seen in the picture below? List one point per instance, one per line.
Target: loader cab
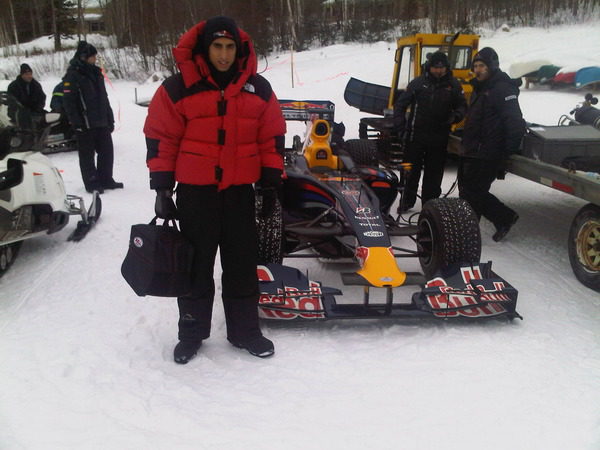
(412, 53)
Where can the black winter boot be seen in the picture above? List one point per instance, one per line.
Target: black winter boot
(260, 346)
(185, 350)
(502, 230)
(112, 184)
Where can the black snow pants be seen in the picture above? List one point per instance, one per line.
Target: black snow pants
(428, 155)
(475, 178)
(225, 219)
(90, 142)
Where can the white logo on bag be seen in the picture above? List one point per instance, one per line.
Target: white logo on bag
(138, 241)
(510, 97)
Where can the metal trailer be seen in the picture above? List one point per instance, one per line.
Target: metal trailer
(584, 233)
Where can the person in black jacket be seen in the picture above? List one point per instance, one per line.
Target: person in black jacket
(86, 103)
(436, 101)
(27, 91)
(493, 130)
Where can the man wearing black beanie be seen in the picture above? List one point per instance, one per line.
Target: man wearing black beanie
(86, 104)
(493, 130)
(436, 101)
(215, 129)
(27, 91)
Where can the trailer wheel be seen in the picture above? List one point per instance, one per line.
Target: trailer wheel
(448, 232)
(362, 151)
(584, 246)
(8, 253)
(270, 235)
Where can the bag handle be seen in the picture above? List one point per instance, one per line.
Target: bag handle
(167, 223)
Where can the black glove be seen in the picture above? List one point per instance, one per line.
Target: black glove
(270, 177)
(111, 127)
(164, 206)
(269, 201)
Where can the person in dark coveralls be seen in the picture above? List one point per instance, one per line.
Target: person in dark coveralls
(436, 101)
(216, 128)
(27, 91)
(493, 130)
(86, 104)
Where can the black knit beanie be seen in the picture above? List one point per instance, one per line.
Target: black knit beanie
(25, 68)
(85, 50)
(218, 27)
(489, 57)
(439, 59)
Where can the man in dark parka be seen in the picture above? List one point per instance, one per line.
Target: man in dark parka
(493, 130)
(436, 102)
(27, 91)
(86, 103)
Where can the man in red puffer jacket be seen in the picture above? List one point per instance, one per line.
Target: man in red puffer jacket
(216, 128)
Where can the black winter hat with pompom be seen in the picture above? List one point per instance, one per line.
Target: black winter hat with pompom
(85, 50)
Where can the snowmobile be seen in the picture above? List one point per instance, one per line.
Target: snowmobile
(61, 138)
(33, 200)
(333, 209)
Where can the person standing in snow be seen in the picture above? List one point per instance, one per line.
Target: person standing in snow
(436, 101)
(493, 130)
(27, 91)
(86, 104)
(216, 128)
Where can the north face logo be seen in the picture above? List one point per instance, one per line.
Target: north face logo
(249, 88)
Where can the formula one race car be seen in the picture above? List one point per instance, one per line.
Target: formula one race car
(333, 209)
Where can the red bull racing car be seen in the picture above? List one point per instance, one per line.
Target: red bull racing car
(335, 205)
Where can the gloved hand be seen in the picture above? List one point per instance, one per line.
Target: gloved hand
(164, 206)
(111, 127)
(270, 177)
(269, 187)
(269, 201)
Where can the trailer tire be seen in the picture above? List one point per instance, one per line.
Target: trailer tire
(362, 151)
(270, 234)
(584, 246)
(8, 253)
(448, 232)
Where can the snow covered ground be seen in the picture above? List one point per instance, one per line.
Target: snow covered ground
(85, 363)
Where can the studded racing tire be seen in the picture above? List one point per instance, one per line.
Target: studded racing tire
(362, 151)
(448, 232)
(584, 246)
(8, 253)
(270, 234)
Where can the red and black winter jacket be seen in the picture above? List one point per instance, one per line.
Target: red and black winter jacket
(198, 134)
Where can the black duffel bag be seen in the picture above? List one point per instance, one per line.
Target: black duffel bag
(159, 260)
